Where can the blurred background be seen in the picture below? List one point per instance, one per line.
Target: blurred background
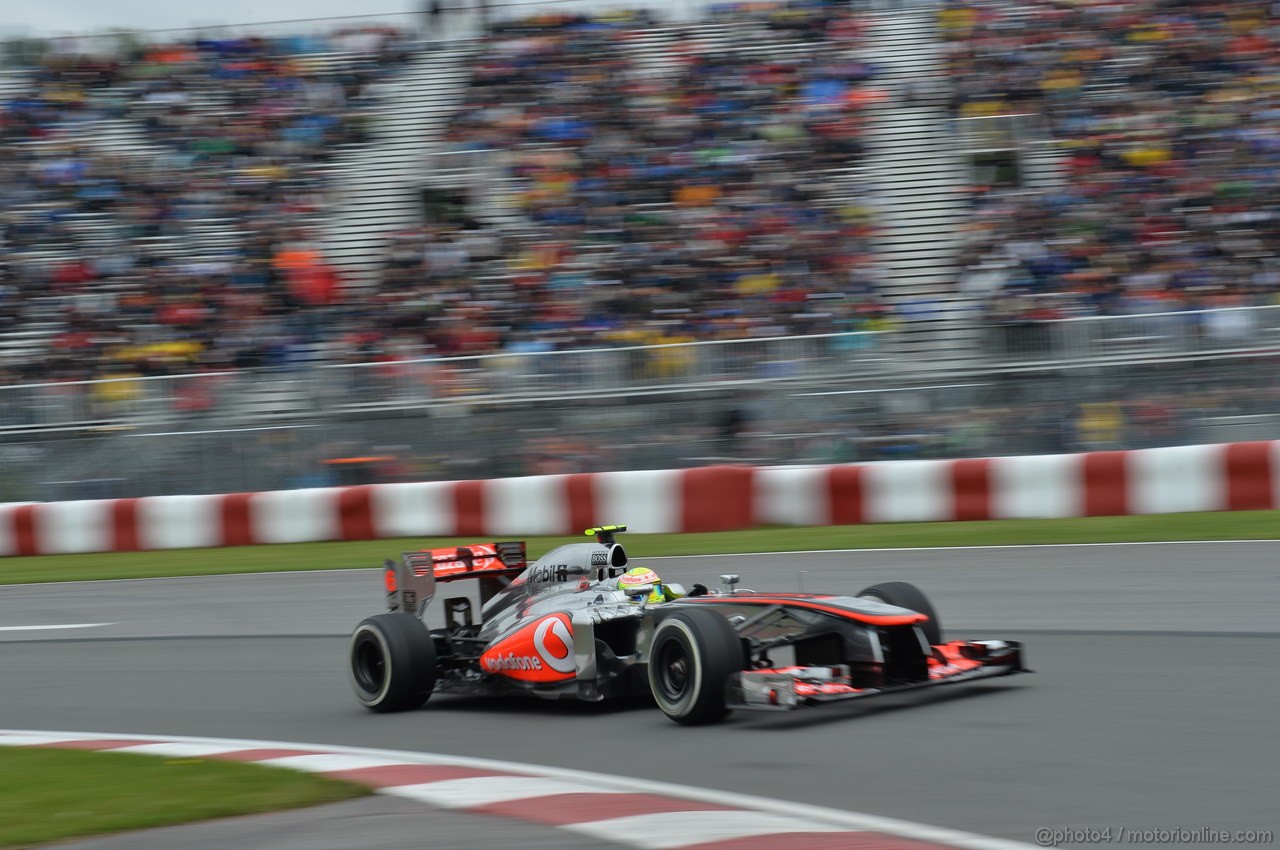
(481, 239)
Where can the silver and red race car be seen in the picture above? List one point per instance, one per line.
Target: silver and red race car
(564, 627)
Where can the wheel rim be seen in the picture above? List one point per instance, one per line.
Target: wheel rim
(673, 671)
(367, 664)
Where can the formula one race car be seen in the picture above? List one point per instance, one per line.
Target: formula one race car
(566, 626)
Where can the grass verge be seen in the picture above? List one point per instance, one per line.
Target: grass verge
(51, 795)
(1244, 525)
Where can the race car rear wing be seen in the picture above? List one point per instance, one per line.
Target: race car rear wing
(411, 584)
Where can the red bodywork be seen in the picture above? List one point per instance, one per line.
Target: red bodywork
(948, 659)
(788, 687)
(541, 652)
(452, 562)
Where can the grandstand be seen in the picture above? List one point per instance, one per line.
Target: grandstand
(157, 189)
(1163, 115)
(346, 195)
(773, 233)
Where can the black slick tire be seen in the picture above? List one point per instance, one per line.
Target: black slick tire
(691, 657)
(392, 662)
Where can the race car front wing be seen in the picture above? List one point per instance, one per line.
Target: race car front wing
(788, 688)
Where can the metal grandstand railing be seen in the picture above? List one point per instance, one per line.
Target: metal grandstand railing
(600, 372)
(1182, 334)
(627, 371)
(1001, 132)
(508, 376)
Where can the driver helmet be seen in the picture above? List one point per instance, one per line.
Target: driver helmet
(643, 575)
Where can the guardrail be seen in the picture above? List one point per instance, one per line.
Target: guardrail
(1004, 132)
(1228, 330)
(238, 397)
(507, 376)
(603, 371)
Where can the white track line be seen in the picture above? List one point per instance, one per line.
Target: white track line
(53, 627)
(176, 749)
(485, 790)
(680, 829)
(818, 817)
(328, 763)
(37, 739)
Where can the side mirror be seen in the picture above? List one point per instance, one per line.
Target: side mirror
(727, 583)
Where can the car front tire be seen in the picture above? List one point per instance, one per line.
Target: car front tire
(691, 657)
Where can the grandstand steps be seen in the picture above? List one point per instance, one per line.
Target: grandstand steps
(377, 187)
(12, 84)
(918, 176)
(27, 342)
(1043, 167)
(651, 52)
(119, 136)
(911, 187)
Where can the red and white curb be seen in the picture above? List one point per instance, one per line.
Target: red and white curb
(625, 812)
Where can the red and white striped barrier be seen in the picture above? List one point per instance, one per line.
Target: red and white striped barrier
(1230, 477)
(1236, 476)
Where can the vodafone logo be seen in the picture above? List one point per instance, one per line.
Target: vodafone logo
(540, 651)
(554, 643)
(511, 661)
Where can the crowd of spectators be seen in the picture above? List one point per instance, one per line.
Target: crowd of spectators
(661, 185)
(159, 197)
(163, 200)
(1165, 116)
(671, 195)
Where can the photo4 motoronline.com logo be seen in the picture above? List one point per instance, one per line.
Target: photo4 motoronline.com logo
(1198, 836)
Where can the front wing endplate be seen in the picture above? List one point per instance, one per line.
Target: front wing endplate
(789, 688)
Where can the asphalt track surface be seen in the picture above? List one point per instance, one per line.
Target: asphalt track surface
(1153, 706)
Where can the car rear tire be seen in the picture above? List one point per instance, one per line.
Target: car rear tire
(691, 657)
(905, 595)
(392, 662)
